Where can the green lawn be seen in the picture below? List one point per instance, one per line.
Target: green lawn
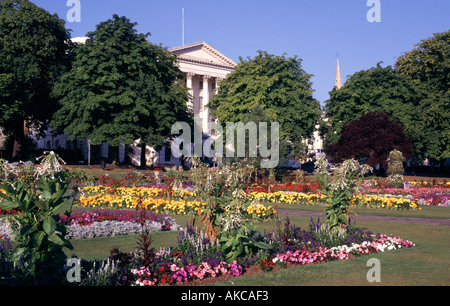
(426, 212)
(427, 264)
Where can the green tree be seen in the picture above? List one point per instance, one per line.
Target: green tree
(33, 55)
(427, 66)
(375, 89)
(121, 88)
(278, 88)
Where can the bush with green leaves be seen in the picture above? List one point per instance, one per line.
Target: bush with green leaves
(222, 191)
(340, 188)
(80, 177)
(39, 241)
(38, 236)
(395, 169)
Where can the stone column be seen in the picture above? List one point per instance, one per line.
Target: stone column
(216, 90)
(205, 102)
(190, 76)
(217, 83)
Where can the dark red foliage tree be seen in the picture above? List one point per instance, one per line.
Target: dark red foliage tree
(370, 137)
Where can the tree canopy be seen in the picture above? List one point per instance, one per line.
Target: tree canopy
(34, 54)
(416, 91)
(372, 137)
(427, 66)
(121, 88)
(376, 89)
(275, 85)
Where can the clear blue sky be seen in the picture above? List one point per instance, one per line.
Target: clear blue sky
(314, 30)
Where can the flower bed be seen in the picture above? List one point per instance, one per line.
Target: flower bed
(294, 198)
(112, 228)
(184, 202)
(390, 202)
(181, 202)
(293, 187)
(107, 223)
(292, 247)
(86, 218)
(433, 196)
(173, 273)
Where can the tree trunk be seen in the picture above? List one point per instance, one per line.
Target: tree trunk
(19, 135)
(117, 155)
(143, 156)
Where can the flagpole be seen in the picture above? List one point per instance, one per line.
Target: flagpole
(182, 22)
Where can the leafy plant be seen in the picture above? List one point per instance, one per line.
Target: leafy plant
(395, 169)
(236, 235)
(238, 243)
(222, 189)
(80, 176)
(340, 189)
(40, 238)
(145, 240)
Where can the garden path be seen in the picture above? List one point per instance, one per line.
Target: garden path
(428, 221)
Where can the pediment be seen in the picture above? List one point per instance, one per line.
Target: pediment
(202, 53)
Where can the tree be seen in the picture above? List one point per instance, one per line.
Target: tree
(375, 89)
(372, 136)
(121, 88)
(278, 88)
(427, 66)
(33, 55)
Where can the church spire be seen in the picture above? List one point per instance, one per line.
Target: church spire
(338, 80)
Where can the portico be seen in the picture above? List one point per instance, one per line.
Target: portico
(205, 67)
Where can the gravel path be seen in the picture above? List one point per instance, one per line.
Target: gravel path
(428, 221)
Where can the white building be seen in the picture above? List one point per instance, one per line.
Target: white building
(205, 67)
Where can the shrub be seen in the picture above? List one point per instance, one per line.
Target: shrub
(80, 177)
(39, 241)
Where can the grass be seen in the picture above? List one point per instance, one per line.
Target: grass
(100, 247)
(427, 264)
(436, 212)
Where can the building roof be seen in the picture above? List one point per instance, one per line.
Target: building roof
(202, 53)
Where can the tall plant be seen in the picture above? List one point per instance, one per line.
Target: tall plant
(222, 190)
(395, 169)
(340, 188)
(39, 240)
(236, 235)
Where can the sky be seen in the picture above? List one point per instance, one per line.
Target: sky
(316, 31)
